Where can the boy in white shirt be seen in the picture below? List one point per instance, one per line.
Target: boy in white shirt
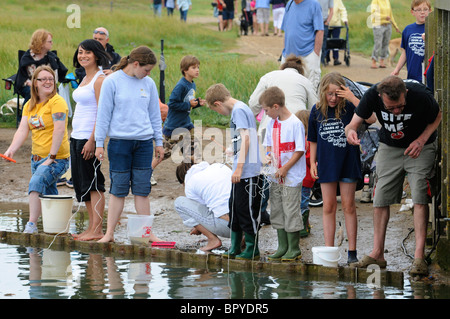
(285, 146)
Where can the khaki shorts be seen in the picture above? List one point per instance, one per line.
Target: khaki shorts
(285, 210)
(393, 166)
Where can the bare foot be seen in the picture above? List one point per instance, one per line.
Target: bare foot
(106, 239)
(154, 238)
(212, 244)
(89, 236)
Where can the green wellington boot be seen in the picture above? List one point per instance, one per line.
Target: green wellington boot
(307, 227)
(251, 251)
(293, 253)
(235, 249)
(282, 245)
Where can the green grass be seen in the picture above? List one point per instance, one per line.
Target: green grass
(131, 23)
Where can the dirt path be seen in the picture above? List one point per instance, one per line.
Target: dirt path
(262, 49)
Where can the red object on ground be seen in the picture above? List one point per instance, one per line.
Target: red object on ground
(163, 244)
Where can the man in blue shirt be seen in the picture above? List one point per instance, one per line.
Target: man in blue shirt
(303, 29)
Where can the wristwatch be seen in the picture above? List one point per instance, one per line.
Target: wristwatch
(51, 156)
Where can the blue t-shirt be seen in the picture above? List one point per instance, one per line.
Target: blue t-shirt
(242, 118)
(262, 4)
(414, 46)
(179, 105)
(300, 23)
(335, 157)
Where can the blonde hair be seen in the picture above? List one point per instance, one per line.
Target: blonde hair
(187, 61)
(38, 40)
(34, 99)
(216, 92)
(303, 116)
(142, 54)
(322, 106)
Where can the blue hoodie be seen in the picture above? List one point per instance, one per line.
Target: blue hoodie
(180, 107)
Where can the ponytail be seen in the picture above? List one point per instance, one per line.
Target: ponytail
(142, 54)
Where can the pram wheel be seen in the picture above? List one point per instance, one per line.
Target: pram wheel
(347, 59)
(316, 200)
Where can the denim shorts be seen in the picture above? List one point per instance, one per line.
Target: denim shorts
(44, 177)
(130, 164)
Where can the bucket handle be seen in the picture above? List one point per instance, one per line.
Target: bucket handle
(330, 260)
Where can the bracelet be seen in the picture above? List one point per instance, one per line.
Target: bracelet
(53, 157)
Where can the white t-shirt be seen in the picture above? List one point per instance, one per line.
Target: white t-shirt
(209, 185)
(83, 122)
(290, 139)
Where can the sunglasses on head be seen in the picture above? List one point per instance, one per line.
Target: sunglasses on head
(100, 32)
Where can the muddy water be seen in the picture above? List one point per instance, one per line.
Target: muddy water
(29, 272)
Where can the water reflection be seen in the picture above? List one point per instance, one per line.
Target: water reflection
(27, 272)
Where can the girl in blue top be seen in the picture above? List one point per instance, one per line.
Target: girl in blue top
(333, 160)
(128, 112)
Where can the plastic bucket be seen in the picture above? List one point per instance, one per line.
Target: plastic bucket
(326, 256)
(56, 213)
(56, 265)
(139, 228)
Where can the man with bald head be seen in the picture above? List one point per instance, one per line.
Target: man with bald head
(101, 35)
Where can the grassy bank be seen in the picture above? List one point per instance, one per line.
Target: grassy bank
(131, 23)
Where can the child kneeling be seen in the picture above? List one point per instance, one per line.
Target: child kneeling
(285, 146)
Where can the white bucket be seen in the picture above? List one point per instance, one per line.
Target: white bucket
(56, 213)
(55, 265)
(139, 228)
(326, 256)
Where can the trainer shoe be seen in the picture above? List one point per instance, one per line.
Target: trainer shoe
(30, 228)
(153, 181)
(69, 183)
(61, 181)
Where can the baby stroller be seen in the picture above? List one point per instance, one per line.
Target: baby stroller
(340, 44)
(369, 135)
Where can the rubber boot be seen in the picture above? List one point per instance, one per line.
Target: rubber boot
(293, 253)
(282, 245)
(251, 251)
(307, 227)
(235, 249)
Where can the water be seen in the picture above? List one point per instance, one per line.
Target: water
(29, 273)
(42, 273)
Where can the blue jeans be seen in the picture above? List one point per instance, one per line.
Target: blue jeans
(130, 164)
(183, 14)
(157, 9)
(306, 193)
(44, 177)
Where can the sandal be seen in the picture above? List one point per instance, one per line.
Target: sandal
(366, 261)
(419, 268)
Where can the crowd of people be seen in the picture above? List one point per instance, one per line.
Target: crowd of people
(308, 129)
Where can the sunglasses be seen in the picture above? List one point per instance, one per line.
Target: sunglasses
(100, 32)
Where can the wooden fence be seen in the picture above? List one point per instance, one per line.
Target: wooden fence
(438, 43)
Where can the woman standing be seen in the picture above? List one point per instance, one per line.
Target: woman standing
(39, 53)
(45, 115)
(129, 114)
(88, 180)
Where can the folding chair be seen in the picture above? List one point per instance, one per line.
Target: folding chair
(9, 83)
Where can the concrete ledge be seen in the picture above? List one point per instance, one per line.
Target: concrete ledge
(212, 261)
